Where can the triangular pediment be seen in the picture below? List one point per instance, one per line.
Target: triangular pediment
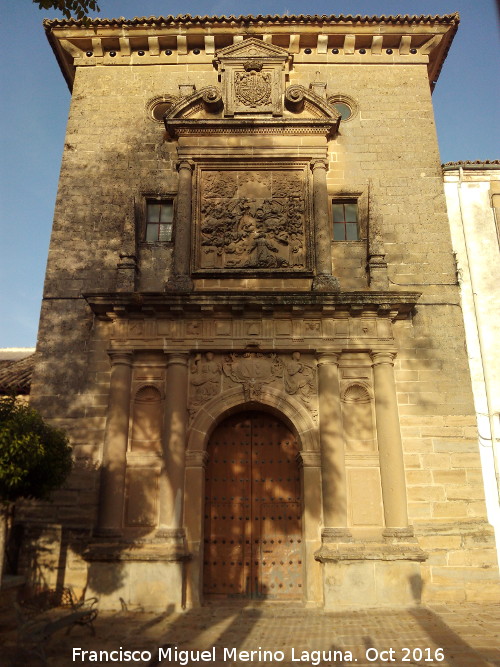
(252, 48)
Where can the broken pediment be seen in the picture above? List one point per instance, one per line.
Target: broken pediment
(252, 77)
(202, 103)
(299, 101)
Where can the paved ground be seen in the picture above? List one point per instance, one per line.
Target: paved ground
(458, 635)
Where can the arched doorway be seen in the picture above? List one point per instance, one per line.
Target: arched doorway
(253, 510)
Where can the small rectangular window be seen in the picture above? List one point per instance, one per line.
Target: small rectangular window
(345, 220)
(159, 220)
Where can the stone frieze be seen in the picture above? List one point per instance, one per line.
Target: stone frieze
(294, 374)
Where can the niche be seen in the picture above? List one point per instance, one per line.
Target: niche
(147, 421)
(357, 419)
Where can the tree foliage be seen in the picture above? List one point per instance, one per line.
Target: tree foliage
(35, 458)
(77, 8)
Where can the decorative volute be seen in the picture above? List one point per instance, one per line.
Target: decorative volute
(252, 77)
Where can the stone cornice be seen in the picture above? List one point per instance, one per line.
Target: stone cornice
(327, 39)
(278, 126)
(395, 305)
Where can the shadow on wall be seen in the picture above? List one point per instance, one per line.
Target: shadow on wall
(53, 547)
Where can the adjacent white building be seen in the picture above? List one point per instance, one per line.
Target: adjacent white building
(473, 199)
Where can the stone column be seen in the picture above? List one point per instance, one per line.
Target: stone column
(180, 280)
(114, 460)
(332, 449)
(176, 417)
(392, 471)
(324, 280)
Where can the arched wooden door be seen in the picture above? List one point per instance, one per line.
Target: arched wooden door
(253, 509)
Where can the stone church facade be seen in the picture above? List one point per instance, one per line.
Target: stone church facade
(251, 325)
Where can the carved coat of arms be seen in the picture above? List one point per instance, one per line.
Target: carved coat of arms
(253, 87)
(252, 370)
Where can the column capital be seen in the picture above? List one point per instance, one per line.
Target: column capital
(320, 163)
(177, 358)
(328, 358)
(123, 357)
(196, 458)
(385, 357)
(185, 164)
(309, 459)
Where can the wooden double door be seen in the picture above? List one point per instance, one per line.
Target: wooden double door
(253, 510)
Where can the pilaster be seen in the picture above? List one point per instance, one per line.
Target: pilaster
(180, 280)
(332, 449)
(176, 416)
(324, 280)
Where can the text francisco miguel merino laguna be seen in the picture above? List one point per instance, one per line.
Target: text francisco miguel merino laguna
(187, 657)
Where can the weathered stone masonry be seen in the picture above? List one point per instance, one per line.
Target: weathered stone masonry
(251, 330)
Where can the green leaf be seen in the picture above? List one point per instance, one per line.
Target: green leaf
(35, 458)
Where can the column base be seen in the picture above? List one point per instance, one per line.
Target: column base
(174, 534)
(371, 574)
(395, 535)
(179, 283)
(325, 283)
(108, 533)
(362, 583)
(331, 534)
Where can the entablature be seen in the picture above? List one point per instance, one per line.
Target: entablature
(308, 39)
(392, 305)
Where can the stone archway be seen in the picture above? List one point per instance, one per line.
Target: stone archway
(299, 421)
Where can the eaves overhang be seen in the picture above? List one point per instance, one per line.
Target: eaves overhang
(313, 40)
(471, 165)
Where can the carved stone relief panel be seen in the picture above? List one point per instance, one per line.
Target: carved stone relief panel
(293, 374)
(204, 379)
(232, 325)
(252, 370)
(252, 218)
(253, 86)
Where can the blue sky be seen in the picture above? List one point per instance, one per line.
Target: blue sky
(35, 101)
